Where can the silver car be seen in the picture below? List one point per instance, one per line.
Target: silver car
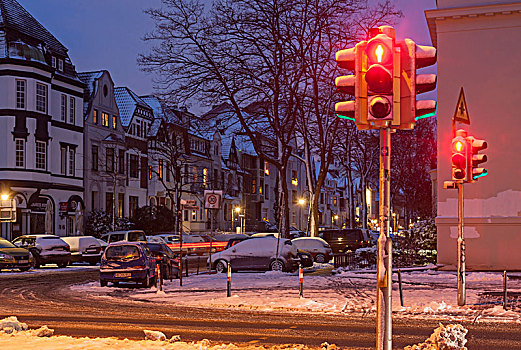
(258, 253)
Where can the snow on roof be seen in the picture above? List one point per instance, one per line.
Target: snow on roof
(127, 102)
(89, 79)
(14, 16)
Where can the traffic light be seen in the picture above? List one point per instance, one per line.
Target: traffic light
(476, 159)
(414, 57)
(354, 85)
(460, 157)
(380, 55)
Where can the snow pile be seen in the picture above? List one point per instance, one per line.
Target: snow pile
(451, 337)
(154, 335)
(11, 325)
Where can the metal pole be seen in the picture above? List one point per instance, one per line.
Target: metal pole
(504, 290)
(384, 249)
(229, 281)
(400, 285)
(300, 281)
(461, 249)
(180, 249)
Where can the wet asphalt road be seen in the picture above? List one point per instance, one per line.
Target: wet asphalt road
(45, 299)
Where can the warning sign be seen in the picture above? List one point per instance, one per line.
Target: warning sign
(462, 113)
(212, 199)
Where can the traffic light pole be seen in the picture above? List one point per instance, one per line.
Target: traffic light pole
(461, 248)
(384, 249)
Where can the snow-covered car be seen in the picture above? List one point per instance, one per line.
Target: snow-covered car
(84, 249)
(316, 246)
(127, 262)
(346, 240)
(259, 253)
(295, 232)
(155, 239)
(130, 236)
(13, 257)
(46, 249)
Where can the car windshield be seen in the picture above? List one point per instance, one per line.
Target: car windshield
(6, 244)
(25, 241)
(122, 253)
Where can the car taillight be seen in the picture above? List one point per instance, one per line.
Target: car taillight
(67, 248)
(139, 266)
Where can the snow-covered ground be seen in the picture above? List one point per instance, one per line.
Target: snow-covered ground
(50, 268)
(427, 293)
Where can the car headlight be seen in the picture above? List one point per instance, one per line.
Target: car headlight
(6, 256)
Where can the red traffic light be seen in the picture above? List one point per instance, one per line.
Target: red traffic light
(380, 50)
(460, 156)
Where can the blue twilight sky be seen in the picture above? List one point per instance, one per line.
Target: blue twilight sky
(106, 34)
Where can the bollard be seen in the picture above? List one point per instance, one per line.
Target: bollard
(504, 290)
(198, 263)
(300, 281)
(159, 278)
(400, 285)
(229, 282)
(180, 275)
(186, 267)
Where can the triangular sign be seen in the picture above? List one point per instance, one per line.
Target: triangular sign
(462, 113)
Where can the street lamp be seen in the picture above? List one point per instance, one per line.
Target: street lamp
(5, 197)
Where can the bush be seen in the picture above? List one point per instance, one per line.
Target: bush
(153, 219)
(99, 223)
(416, 246)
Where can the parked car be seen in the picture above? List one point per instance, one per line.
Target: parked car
(13, 257)
(295, 232)
(127, 262)
(257, 254)
(129, 236)
(198, 245)
(319, 249)
(225, 237)
(46, 249)
(345, 240)
(166, 258)
(84, 249)
(102, 243)
(169, 238)
(155, 239)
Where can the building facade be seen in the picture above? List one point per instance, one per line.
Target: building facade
(477, 43)
(41, 102)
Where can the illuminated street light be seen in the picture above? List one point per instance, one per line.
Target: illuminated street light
(237, 209)
(5, 197)
(301, 201)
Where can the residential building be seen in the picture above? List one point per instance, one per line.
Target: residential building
(104, 164)
(41, 101)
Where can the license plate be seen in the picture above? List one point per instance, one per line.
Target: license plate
(23, 261)
(123, 274)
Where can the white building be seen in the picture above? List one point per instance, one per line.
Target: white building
(41, 102)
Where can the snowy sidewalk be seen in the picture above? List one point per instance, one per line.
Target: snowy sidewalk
(426, 294)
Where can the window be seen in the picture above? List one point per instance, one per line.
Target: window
(194, 215)
(253, 185)
(60, 64)
(266, 195)
(41, 155)
(63, 108)
(20, 94)
(110, 160)
(167, 171)
(72, 161)
(63, 160)
(266, 168)
(109, 202)
(95, 159)
(134, 166)
(121, 161)
(94, 199)
(105, 119)
(161, 169)
(72, 107)
(294, 180)
(114, 122)
(185, 215)
(205, 177)
(194, 174)
(95, 117)
(53, 61)
(41, 97)
(150, 172)
(133, 203)
(20, 152)
(121, 205)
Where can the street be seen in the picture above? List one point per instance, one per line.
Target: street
(45, 299)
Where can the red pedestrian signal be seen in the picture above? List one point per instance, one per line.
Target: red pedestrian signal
(460, 157)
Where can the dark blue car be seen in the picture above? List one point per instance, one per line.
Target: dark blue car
(128, 262)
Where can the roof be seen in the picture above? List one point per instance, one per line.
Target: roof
(14, 16)
(127, 102)
(89, 78)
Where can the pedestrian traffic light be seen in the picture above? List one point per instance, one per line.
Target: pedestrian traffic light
(354, 85)
(380, 55)
(460, 157)
(476, 159)
(414, 57)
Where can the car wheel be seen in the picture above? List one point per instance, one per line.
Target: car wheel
(276, 265)
(23, 269)
(103, 283)
(146, 282)
(220, 266)
(320, 258)
(116, 284)
(63, 264)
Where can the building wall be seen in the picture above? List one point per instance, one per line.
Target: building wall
(478, 48)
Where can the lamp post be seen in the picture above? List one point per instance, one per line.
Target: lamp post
(237, 211)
